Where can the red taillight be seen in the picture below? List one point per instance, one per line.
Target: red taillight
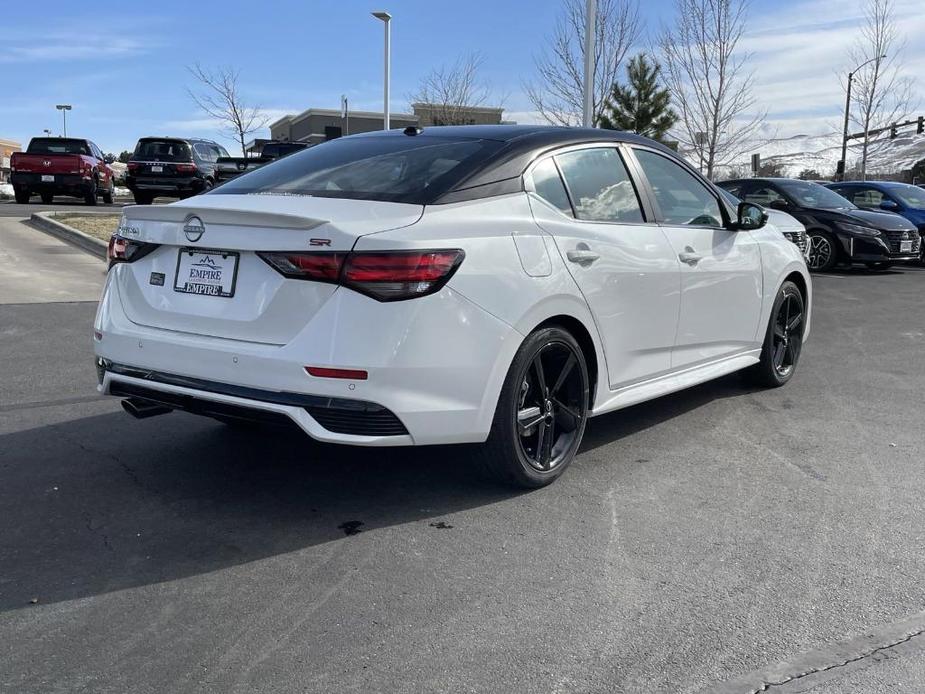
(133, 166)
(185, 168)
(398, 275)
(320, 267)
(123, 250)
(385, 276)
(350, 374)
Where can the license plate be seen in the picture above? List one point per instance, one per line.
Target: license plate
(209, 273)
(905, 246)
(157, 169)
(48, 179)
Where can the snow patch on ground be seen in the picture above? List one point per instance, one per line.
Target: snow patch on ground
(6, 191)
(122, 192)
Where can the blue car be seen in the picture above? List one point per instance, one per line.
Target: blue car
(901, 198)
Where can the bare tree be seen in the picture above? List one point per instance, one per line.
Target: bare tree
(558, 92)
(220, 99)
(447, 90)
(881, 94)
(709, 80)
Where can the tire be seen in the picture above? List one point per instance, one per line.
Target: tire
(822, 254)
(880, 266)
(536, 431)
(90, 195)
(107, 196)
(207, 187)
(21, 196)
(142, 198)
(47, 198)
(775, 369)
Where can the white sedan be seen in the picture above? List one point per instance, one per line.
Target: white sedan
(479, 284)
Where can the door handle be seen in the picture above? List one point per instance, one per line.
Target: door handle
(582, 256)
(690, 257)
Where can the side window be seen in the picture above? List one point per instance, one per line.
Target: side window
(548, 185)
(600, 186)
(866, 197)
(681, 197)
(763, 195)
(204, 152)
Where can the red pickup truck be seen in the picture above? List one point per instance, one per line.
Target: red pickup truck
(61, 166)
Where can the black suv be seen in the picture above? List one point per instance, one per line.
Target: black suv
(172, 167)
(838, 231)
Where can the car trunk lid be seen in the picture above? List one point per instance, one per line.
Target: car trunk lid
(214, 241)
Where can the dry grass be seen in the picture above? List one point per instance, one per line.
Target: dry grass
(100, 226)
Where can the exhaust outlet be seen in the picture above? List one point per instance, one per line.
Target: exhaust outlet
(142, 409)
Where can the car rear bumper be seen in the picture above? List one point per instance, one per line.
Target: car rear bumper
(172, 185)
(435, 367)
(65, 184)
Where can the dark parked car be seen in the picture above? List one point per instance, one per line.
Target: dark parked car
(838, 231)
(890, 196)
(61, 166)
(227, 168)
(172, 167)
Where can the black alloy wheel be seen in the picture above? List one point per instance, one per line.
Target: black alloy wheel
(541, 412)
(821, 254)
(783, 342)
(90, 195)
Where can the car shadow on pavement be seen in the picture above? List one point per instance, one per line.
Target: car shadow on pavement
(103, 503)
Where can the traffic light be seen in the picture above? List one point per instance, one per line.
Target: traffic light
(893, 131)
(921, 125)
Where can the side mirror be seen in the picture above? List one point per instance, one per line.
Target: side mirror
(750, 216)
(888, 205)
(779, 205)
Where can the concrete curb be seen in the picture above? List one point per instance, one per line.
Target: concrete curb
(45, 222)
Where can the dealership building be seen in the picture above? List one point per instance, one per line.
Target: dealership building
(7, 147)
(319, 124)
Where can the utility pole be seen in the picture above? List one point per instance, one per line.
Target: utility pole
(844, 138)
(590, 29)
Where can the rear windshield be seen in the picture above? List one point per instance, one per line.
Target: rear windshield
(394, 169)
(57, 145)
(162, 150)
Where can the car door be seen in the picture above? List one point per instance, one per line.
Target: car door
(721, 280)
(620, 259)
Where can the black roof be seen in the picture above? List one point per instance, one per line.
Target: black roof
(522, 144)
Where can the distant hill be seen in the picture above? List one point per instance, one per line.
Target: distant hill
(822, 152)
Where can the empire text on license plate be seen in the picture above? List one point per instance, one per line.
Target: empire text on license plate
(210, 273)
(905, 246)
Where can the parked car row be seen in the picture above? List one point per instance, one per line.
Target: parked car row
(183, 167)
(175, 167)
(874, 223)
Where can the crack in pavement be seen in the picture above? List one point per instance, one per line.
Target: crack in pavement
(829, 658)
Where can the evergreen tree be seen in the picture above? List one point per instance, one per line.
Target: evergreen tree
(640, 106)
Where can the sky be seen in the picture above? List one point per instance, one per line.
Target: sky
(124, 69)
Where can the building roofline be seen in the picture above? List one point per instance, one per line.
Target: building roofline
(295, 118)
(461, 107)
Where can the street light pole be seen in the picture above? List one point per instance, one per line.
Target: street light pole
(386, 19)
(844, 137)
(588, 97)
(64, 108)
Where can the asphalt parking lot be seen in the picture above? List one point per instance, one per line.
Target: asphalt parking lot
(717, 540)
